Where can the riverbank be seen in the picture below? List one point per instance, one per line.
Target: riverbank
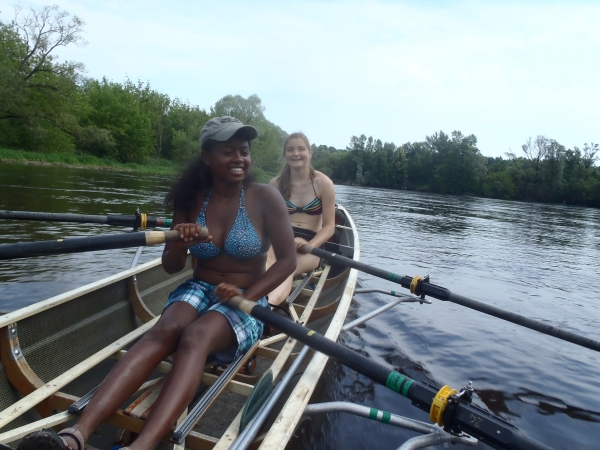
(154, 166)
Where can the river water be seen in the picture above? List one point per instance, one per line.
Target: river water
(540, 261)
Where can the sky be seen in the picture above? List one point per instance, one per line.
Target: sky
(394, 70)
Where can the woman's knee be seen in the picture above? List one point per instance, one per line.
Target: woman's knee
(195, 337)
(166, 330)
(306, 263)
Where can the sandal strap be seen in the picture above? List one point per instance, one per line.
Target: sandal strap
(75, 434)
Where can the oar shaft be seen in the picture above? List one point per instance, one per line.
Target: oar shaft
(444, 294)
(526, 322)
(111, 219)
(87, 244)
(467, 418)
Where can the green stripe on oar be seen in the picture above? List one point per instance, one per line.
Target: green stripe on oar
(88, 244)
(463, 417)
(138, 221)
(423, 287)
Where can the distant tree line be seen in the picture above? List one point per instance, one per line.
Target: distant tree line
(49, 106)
(452, 164)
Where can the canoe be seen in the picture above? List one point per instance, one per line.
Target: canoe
(55, 352)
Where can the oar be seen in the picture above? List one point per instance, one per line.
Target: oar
(447, 410)
(328, 246)
(88, 244)
(421, 286)
(138, 221)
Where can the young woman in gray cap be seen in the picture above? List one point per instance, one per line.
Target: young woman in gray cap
(314, 223)
(244, 220)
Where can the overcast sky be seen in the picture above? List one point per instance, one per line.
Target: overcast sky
(396, 70)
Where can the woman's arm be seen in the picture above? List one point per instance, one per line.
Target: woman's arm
(174, 254)
(279, 232)
(327, 191)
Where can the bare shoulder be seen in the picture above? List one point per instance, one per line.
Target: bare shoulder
(323, 181)
(264, 193)
(274, 181)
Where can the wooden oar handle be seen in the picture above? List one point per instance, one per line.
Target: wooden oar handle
(160, 237)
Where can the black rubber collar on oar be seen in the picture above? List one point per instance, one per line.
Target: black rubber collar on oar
(88, 244)
(139, 221)
(422, 287)
(461, 416)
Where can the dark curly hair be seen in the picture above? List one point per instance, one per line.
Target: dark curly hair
(196, 177)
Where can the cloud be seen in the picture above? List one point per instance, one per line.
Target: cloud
(394, 70)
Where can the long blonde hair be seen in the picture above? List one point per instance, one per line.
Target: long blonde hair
(284, 177)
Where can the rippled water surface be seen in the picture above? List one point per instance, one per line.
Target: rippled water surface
(541, 261)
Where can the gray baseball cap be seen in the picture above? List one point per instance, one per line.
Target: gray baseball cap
(223, 128)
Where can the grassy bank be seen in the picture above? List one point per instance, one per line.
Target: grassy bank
(153, 166)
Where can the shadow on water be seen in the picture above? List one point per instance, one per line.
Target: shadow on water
(497, 402)
(540, 261)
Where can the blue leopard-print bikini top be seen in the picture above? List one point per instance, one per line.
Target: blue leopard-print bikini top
(243, 241)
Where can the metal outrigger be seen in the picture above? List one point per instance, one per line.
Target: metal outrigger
(432, 434)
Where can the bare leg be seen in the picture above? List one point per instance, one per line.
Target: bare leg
(304, 263)
(209, 334)
(135, 367)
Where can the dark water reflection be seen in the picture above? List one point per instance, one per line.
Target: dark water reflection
(541, 261)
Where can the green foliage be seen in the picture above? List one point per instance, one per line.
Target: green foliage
(499, 185)
(39, 94)
(117, 109)
(249, 110)
(460, 166)
(182, 130)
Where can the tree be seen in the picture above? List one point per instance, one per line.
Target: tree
(113, 107)
(155, 106)
(183, 123)
(400, 168)
(40, 94)
(536, 152)
(462, 168)
(249, 110)
(589, 155)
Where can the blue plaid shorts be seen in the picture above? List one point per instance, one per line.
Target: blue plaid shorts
(201, 296)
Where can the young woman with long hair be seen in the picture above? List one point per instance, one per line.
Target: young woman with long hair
(314, 222)
(245, 220)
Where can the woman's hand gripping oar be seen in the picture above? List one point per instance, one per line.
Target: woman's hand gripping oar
(93, 243)
(421, 286)
(445, 406)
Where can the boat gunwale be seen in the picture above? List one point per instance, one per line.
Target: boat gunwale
(31, 310)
